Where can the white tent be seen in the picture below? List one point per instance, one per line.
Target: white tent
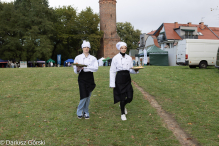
(100, 61)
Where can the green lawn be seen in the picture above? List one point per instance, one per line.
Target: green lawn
(40, 104)
(190, 95)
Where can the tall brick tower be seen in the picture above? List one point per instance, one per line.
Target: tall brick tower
(108, 25)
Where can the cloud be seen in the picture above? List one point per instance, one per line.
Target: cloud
(147, 15)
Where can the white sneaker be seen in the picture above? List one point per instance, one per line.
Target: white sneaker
(123, 117)
(126, 112)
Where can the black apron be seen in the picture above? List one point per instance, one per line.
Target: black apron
(86, 83)
(123, 87)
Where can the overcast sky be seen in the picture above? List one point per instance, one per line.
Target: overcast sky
(148, 15)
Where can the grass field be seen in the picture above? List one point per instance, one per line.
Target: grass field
(190, 95)
(40, 104)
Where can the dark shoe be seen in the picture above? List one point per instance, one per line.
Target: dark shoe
(79, 117)
(86, 116)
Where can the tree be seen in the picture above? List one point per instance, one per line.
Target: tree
(88, 23)
(37, 28)
(66, 30)
(72, 28)
(27, 30)
(10, 43)
(128, 34)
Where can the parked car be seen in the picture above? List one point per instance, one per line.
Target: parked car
(217, 61)
(197, 52)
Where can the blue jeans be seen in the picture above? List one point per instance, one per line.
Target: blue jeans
(83, 106)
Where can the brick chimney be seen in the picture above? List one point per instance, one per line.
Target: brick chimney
(201, 25)
(189, 24)
(176, 25)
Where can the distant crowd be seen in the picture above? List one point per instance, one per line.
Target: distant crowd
(12, 64)
(50, 64)
(68, 64)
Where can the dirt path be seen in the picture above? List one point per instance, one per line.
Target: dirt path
(180, 134)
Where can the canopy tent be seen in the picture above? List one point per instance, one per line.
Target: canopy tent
(155, 49)
(100, 61)
(41, 61)
(3, 61)
(38, 61)
(68, 60)
(152, 49)
(159, 59)
(109, 62)
(157, 56)
(104, 60)
(50, 60)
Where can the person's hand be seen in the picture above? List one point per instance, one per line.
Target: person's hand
(79, 68)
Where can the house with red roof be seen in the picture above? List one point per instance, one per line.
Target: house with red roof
(148, 40)
(166, 37)
(168, 34)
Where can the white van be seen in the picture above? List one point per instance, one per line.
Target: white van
(197, 52)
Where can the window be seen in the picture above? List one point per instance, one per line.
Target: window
(199, 33)
(142, 41)
(188, 33)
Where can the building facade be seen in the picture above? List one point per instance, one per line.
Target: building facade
(168, 34)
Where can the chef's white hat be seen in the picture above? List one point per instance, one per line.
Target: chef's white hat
(85, 44)
(120, 44)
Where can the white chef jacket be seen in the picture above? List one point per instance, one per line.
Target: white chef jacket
(90, 61)
(120, 63)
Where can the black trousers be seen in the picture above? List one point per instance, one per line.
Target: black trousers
(123, 91)
(124, 102)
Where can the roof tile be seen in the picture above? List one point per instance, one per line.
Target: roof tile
(155, 41)
(207, 34)
(151, 33)
(170, 32)
(215, 30)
